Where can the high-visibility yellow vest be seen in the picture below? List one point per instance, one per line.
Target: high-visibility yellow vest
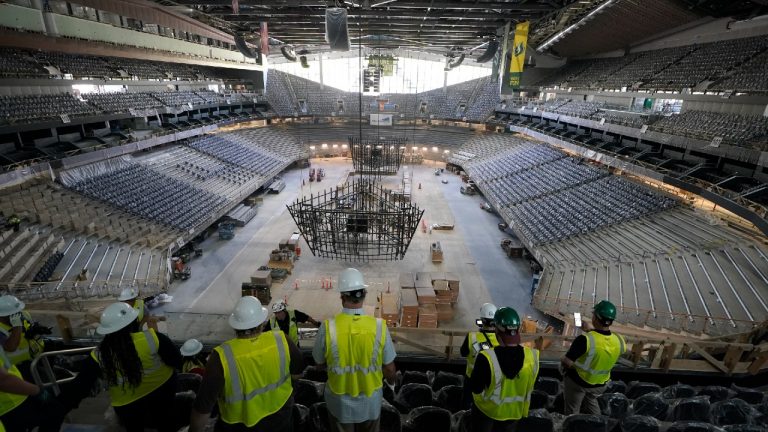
(257, 378)
(191, 364)
(474, 339)
(354, 351)
(9, 401)
(138, 304)
(26, 349)
(293, 330)
(156, 373)
(594, 366)
(508, 398)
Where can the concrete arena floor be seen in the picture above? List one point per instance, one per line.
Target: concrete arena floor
(471, 251)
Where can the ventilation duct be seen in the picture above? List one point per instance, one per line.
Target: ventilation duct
(455, 62)
(246, 50)
(288, 53)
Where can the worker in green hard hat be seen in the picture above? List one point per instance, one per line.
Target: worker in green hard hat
(588, 362)
(503, 377)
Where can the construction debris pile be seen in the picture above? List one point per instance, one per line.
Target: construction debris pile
(425, 299)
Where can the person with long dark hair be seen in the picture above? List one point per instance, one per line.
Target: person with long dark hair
(138, 368)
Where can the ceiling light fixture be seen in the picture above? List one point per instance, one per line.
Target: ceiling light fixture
(574, 26)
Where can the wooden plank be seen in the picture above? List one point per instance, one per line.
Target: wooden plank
(758, 363)
(732, 357)
(657, 356)
(417, 345)
(709, 358)
(667, 355)
(637, 352)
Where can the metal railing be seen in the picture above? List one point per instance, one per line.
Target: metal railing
(48, 369)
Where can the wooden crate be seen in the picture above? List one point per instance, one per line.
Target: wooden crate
(423, 280)
(390, 309)
(261, 278)
(444, 312)
(425, 295)
(407, 280)
(285, 265)
(443, 295)
(427, 316)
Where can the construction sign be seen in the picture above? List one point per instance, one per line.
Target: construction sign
(516, 57)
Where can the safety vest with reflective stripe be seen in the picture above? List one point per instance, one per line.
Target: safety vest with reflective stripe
(594, 366)
(10, 401)
(508, 398)
(293, 330)
(23, 351)
(354, 351)
(257, 378)
(474, 339)
(138, 304)
(155, 372)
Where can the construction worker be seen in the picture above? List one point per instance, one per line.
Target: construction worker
(191, 361)
(21, 342)
(130, 296)
(587, 364)
(24, 406)
(357, 351)
(249, 376)
(503, 377)
(478, 341)
(138, 368)
(287, 319)
(14, 222)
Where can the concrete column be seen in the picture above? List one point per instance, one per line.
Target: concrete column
(47, 17)
(320, 61)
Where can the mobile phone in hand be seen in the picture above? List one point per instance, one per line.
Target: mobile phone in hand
(577, 319)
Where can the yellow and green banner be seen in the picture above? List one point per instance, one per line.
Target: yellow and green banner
(517, 56)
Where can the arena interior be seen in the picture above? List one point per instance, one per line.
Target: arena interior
(202, 150)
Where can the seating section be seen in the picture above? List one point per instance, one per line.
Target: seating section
(147, 193)
(227, 150)
(122, 102)
(432, 401)
(179, 98)
(203, 171)
(549, 197)
(751, 76)
(736, 129)
(734, 64)
(19, 109)
(20, 63)
(473, 100)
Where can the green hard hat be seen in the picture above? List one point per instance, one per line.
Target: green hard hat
(605, 310)
(507, 318)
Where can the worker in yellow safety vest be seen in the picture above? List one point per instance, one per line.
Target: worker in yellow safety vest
(24, 406)
(191, 357)
(357, 352)
(588, 362)
(475, 342)
(130, 296)
(503, 377)
(21, 342)
(249, 377)
(138, 368)
(287, 320)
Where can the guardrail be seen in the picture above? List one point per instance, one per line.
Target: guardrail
(49, 372)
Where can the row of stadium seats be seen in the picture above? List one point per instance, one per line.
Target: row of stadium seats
(433, 401)
(248, 157)
(147, 193)
(730, 64)
(735, 129)
(473, 99)
(31, 108)
(19, 63)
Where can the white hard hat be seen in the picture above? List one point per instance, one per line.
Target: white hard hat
(116, 317)
(351, 280)
(487, 311)
(128, 294)
(10, 305)
(279, 306)
(248, 314)
(191, 347)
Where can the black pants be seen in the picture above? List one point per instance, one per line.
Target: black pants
(154, 410)
(281, 421)
(483, 423)
(48, 416)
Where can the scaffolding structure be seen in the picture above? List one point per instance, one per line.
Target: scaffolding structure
(360, 221)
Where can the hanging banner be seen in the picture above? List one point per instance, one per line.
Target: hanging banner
(517, 57)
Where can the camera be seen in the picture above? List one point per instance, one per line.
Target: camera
(36, 330)
(479, 322)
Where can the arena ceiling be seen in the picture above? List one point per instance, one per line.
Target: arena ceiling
(585, 26)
